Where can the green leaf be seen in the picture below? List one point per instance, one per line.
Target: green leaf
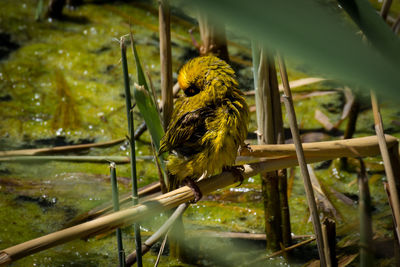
(146, 105)
(318, 33)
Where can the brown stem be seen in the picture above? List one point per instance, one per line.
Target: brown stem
(302, 162)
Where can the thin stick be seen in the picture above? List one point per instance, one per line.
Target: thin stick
(147, 209)
(121, 253)
(282, 251)
(160, 252)
(131, 259)
(385, 8)
(387, 163)
(287, 97)
(290, 248)
(131, 131)
(58, 149)
(93, 159)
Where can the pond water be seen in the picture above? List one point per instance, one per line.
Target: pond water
(61, 83)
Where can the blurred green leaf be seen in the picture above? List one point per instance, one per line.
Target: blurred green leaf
(145, 103)
(318, 33)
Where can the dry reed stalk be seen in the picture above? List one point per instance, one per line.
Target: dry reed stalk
(92, 159)
(280, 252)
(329, 234)
(165, 61)
(314, 152)
(143, 192)
(213, 37)
(390, 174)
(237, 235)
(356, 147)
(294, 84)
(158, 204)
(58, 149)
(302, 162)
(267, 133)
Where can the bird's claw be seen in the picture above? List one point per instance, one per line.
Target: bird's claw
(196, 190)
(237, 172)
(245, 147)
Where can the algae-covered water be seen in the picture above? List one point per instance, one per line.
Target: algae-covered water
(61, 83)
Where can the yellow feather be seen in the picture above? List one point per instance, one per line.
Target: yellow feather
(209, 123)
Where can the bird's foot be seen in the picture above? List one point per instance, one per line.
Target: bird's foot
(245, 148)
(196, 190)
(237, 172)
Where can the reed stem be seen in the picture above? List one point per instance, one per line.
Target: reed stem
(131, 135)
(390, 175)
(267, 98)
(114, 185)
(366, 258)
(287, 98)
(165, 61)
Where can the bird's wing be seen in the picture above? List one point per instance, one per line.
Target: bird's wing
(186, 131)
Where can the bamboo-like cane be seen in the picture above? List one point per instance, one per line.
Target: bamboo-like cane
(356, 147)
(287, 98)
(171, 200)
(387, 163)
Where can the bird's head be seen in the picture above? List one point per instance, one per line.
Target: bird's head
(206, 74)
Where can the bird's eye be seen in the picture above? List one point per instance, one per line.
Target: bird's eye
(191, 90)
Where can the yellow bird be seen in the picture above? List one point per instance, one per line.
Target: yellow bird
(208, 124)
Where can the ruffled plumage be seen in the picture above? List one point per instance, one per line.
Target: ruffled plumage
(209, 123)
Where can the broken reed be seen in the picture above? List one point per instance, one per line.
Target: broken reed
(114, 185)
(131, 136)
(270, 131)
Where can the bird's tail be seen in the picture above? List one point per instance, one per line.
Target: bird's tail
(173, 182)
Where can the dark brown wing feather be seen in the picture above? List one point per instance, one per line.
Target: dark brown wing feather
(184, 134)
